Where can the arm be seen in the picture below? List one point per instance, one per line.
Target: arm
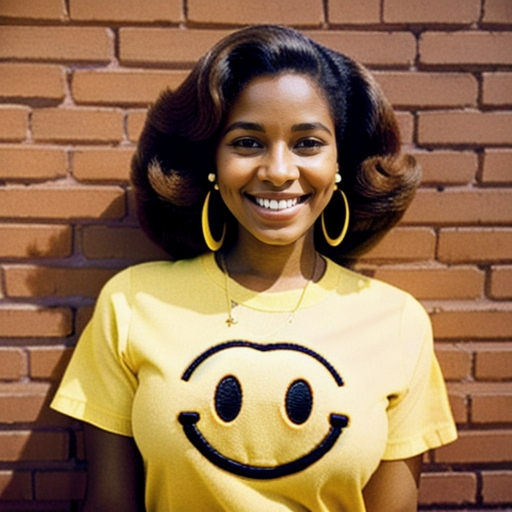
(394, 486)
(115, 478)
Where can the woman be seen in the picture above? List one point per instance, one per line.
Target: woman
(255, 372)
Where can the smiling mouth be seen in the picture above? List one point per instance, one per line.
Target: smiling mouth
(277, 204)
(189, 419)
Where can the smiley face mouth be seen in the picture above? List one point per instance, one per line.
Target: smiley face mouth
(190, 419)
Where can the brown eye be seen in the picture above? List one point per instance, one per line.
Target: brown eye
(309, 144)
(246, 143)
(299, 401)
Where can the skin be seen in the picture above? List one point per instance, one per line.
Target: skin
(115, 473)
(278, 144)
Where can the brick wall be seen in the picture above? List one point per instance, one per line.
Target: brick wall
(75, 79)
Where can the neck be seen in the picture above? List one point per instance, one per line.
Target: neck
(264, 267)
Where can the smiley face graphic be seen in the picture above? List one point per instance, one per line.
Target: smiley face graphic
(269, 408)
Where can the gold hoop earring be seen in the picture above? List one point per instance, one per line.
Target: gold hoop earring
(213, 245)
(334, 242)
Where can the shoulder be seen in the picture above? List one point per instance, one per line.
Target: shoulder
(378, 296)
(151, 277)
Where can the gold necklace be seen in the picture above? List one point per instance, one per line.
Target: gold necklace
(232, 320)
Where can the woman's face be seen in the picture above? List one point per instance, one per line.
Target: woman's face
(276, 159)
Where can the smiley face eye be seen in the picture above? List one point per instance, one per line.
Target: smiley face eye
(299, 401)
(228, 398)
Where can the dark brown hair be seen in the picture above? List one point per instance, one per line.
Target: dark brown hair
(176, 150)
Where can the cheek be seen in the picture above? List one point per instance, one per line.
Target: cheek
(322, 177)
(232, 174)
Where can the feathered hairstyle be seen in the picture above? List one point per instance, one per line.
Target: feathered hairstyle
(176, 150)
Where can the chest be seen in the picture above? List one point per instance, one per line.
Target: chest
(309, 403)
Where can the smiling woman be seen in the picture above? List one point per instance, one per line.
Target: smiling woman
(256, 372)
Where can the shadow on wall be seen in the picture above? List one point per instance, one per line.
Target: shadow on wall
(44, 466)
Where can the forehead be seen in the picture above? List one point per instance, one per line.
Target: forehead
(273, 94)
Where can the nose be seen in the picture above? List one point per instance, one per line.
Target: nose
(279, 167)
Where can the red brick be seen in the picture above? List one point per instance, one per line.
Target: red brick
(32, 81)
(371, 48)
(472, 324)
(102, 164)
(77, 125)
(497, 89)
(140, 45)
(12, 364)
(406, 126)
(350, 12)
(60, 485)
(48, 362)
(23, 402)
(497, 486)
(15, 485)
(123, 87)
(415, 89)
(497, 12)
(435, 283)
(461, 206)
(303, 12)
(465, 127)
(493, 361)
(122, 11)
(13, 122)
(448, 167)
(34, 281)
(409, 244)
(34, 9)
(434, 11)
(447, 488)
(34, 241)
(492, 405)
(31, 321)
(455, 360)
(32, 163)
(132, 218)
(135, 123)
(119, 243)
(24, 445)
(497, 166)
(478, 447)
(66, 44)
(53, 202)
(475, 245)
(458, 406)
(83, 315)
(501, 283)
(466, 47)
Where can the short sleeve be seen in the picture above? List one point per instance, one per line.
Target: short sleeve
(99, 383)
(419, 417)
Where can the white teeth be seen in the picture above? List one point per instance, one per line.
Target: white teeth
(273, 204)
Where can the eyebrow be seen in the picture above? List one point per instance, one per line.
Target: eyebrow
(255, 127)
(304, 127)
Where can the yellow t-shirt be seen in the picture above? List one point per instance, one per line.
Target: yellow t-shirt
(264, 414)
